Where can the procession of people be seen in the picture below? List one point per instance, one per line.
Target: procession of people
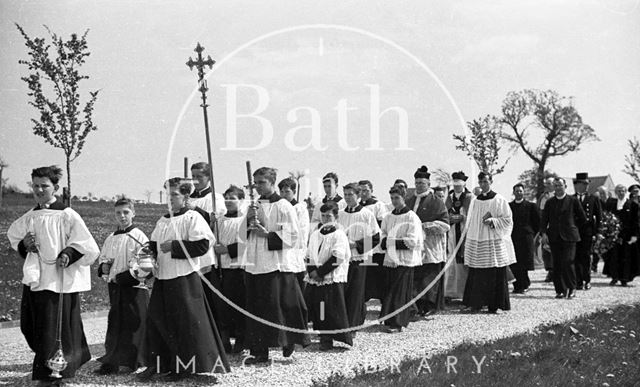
(241, 273)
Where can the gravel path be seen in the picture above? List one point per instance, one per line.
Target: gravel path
(372, 347)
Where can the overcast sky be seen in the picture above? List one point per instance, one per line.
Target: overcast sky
(437, 64)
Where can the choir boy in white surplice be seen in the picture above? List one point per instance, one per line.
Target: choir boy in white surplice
(232, 231)
(273, 293)
(363, 232)
(328, 256)
(330, 186)
(435, 224)
(180, 324)
(288, 188)
(50, 238)
(402, 239)
(200, 198)
(374, 283)
(488, 250)
(125, 340)
(201, 202)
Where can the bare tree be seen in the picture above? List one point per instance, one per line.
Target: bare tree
(297, 175)
(148, 194)
(3, 165)
(632, 160)
(442, 177)
(53, 82)
(529, 178)
(483, 144)
(556, 120)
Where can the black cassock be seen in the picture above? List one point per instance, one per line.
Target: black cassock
(125, 341)
(38, 322)
(526, 221)
(180, 327)
(623, 263)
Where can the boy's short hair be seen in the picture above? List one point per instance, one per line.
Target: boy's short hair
(52, 172)
(366, 182)
(399, 190)
(353, 187)
(519, 185)
(268, 173)
(330, 206)
(123, 201)
(482, 175)
(204, 167)
(184, 185)
(332, 176)
(400, 181)
(288, 183)
(234, 190)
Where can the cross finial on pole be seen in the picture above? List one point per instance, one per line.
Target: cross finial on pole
(200, 64)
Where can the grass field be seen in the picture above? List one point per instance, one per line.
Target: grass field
(99, 219)
(601, 349)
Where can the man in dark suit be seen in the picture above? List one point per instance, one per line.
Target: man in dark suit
(561, 218)
(593, 210)
(543, 249)
(526, 219)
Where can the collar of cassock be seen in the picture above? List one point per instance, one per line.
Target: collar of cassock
(368, 202)
(181, 211)
(124, 231)
(200, 194)
(231, 214)
(334, 199)
(274, 197)
(487, 196)
(460, 195)
(424, 194)
(351, 210)
(56, 205)
(294, 202)
(401, 211)
(327, 229)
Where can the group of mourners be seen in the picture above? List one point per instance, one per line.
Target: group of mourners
(237, 273)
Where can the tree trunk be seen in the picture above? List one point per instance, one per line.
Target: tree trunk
(540, 180)
(67, 199)
(1, 190)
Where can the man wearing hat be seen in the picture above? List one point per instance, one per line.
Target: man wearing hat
(457, 204)
(435, 225)
(593, 211)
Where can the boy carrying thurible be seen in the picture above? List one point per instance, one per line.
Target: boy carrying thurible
(124, 343)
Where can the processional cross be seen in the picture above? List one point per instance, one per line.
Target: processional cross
(200, 63)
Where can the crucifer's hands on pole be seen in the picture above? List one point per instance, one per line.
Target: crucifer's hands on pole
(63, 260)
(30, 242)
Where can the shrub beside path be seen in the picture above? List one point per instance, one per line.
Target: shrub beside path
(373, 349)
